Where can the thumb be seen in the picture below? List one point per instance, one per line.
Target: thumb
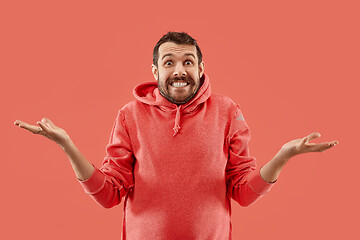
(47, 122)
(304, 140)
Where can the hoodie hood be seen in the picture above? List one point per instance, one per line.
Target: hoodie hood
(148, 93)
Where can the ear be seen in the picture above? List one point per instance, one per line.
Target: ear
(155, 72)
(201, 68)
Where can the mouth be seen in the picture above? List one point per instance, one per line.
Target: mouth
(180, 84)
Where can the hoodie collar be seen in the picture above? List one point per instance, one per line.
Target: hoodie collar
(148, 93)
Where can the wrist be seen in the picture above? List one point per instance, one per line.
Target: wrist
(286, 153)
(66, 145)
(271, 170)
(281, 158)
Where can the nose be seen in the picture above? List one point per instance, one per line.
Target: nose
(179, 70)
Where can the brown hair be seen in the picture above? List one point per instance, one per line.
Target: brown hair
(178, 38)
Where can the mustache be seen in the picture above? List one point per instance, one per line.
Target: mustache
(187, 79)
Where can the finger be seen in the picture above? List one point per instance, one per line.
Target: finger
(313, 136)
(327, 144)
(43, 126)
(17, 122)
(310, 144)
(333, 143)
(320, 147)
(31, 128)
(304, 141)
(48, 122)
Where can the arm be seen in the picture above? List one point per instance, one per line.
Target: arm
(107, 185)
(272, 169)
(244, 183)
(83, 168)
(248, 184)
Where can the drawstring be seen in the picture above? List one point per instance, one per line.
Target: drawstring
(177, 121)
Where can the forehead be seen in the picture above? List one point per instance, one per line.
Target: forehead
(176, 49)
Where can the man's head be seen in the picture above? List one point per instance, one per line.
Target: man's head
(177, 60)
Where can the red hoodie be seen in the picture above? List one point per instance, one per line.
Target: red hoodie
(177, 166)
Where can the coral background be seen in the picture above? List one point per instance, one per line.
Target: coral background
(293, 67)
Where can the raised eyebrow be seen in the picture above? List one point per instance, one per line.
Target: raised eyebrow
(168, 54)
(190, 54)
(186, 54)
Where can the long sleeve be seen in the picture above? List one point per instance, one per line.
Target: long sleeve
(244, 182)
(109, 184)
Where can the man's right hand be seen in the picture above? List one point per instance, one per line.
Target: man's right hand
(48, 129)
(82, 167)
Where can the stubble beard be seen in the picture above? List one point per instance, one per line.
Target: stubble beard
(164, 89)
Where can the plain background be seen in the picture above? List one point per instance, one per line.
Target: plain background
(293, 67)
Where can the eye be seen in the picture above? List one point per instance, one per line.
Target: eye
(188, 61)
(166, 63)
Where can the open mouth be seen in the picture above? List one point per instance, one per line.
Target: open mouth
(180, 84)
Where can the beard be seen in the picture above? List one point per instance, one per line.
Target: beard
(164, 89)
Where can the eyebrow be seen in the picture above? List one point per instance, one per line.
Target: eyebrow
(186, 54)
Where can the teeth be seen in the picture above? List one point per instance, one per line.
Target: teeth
(179, 84)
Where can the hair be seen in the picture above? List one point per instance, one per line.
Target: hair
(178, 38)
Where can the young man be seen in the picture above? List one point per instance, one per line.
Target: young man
(177, 153)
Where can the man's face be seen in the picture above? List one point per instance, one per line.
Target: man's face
(178, 72)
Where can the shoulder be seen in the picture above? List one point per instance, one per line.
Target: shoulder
(130, 106)
(224, 102)
(126, 110)
(133, 109)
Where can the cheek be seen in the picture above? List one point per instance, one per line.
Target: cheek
(164, 75)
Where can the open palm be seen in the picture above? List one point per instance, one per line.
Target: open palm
(303, 145)
(47, 128)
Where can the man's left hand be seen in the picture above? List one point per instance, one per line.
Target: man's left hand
(302, 145)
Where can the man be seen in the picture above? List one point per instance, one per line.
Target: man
(177, 153)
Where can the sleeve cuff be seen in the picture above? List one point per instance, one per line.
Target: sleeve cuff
(94, 183)
(258, 184)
